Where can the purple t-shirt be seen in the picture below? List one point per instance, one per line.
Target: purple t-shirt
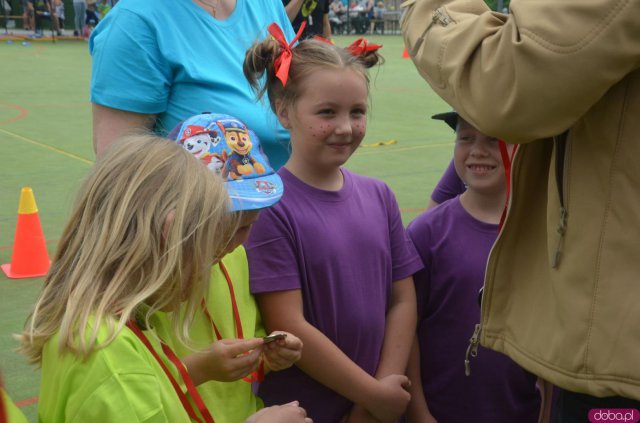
(448, 186)
(454, 247)
(343, 250)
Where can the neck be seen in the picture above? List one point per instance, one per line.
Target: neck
(486, 208)
(324, 179)
(218, 9)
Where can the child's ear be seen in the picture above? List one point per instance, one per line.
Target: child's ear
(282, 111)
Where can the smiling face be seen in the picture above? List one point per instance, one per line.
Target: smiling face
(477, 160)
(328, 120)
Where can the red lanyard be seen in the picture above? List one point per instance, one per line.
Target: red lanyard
(257, 375)
(3, 411)
(506, 163)
(234, 306)
(191, 388)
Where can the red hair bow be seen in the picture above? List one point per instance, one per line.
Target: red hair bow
(283, 61)
(360, 47)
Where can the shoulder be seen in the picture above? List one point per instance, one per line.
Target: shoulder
(436, 216)
(368, 183)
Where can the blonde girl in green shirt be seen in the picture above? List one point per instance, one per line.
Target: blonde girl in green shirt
(148, 223)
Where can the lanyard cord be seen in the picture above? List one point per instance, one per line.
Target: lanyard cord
(506, 163)
(204, 412)
(234, 306)
(257, 375)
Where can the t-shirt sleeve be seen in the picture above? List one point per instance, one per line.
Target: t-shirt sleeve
(129, 71)
(271, 252)
(420, 235)
(449, 186)
(405, 259)
(123, 398)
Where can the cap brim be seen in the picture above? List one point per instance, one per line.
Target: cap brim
(255, 193)
(451, 118)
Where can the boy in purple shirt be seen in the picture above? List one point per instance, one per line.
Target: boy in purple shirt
(454, 241)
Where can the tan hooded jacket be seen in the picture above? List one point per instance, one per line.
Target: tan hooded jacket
(562, 288)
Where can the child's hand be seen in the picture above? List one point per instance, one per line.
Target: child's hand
(283, 353)
(226, 360)
(392, 398)
(287, 413)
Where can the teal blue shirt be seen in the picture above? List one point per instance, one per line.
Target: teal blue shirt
(172, 59)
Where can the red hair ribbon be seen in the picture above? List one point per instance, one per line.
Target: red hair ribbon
(283, 61)
(360, 47)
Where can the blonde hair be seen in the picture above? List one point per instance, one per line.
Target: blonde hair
(148, 222)
(307, 56)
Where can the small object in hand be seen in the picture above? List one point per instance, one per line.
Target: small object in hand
(274, 337)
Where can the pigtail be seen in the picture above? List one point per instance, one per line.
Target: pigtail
(258, 61)
(366, 54)
(370, 59)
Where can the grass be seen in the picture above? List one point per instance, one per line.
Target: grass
(45, 143)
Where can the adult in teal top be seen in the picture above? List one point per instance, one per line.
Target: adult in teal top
(155, 62)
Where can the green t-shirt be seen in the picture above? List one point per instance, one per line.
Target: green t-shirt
(228, 402)
(14, 415)
(122, 382)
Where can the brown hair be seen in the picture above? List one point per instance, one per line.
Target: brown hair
(307, 56)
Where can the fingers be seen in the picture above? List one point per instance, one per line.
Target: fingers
(237, 347)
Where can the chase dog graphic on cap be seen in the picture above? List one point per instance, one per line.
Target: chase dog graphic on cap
(228, 147)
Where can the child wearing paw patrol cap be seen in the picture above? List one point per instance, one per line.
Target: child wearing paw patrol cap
(228, 330)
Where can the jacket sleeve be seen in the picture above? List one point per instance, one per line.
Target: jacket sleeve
(529, 74)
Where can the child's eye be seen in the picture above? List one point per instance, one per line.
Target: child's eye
(325, 112)
(359, 112)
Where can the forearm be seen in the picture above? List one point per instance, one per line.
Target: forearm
(400, 330)
(326, 27)
(293, 8)
(418, 411)
(327, 364)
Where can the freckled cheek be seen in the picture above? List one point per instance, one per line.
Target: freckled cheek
(320, 131)
(360, 128)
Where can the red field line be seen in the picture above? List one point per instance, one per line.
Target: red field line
(26, 402)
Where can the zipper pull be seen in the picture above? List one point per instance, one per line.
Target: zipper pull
(441, 17)
(472, 349)
(562, 227)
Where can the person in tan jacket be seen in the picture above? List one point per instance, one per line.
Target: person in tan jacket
(562, 79)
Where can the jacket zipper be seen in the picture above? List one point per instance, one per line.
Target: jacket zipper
(440, 17)
(472, 349)
(561, 157)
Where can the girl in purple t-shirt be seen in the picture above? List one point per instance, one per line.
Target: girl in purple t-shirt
(331, 262)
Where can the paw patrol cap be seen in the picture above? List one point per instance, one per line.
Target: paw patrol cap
(232, 150)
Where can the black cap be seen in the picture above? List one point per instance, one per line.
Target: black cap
(451, 118)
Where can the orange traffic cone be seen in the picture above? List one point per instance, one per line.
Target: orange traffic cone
(30, 258)
(405, 53)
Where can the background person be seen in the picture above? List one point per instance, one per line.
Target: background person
(226, 325)
(561, 289)
(314, 12)
(153, 63)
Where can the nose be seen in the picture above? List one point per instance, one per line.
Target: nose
(343, 126)
(482, 146)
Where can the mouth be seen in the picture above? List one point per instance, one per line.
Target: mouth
(481, 169)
